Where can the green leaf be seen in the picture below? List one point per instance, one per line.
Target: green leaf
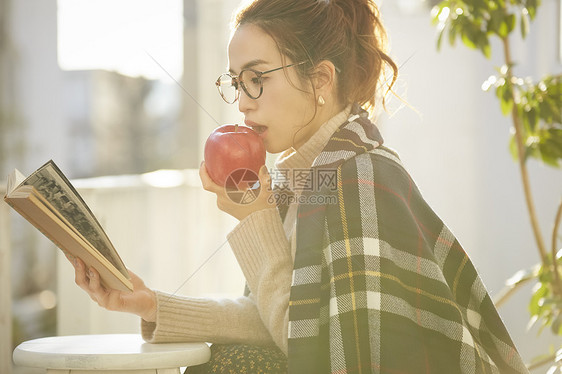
(546, 111)
(550, 146)
(437, 10)
(525, 23)
(484, 45)
(503, 30)
(453, 30)
(496, 20)
(469, 39)
(500, 89)
(511, 21)
(479, 4)
(555, 110)
(440, 39)
(551, 91)
(532, 8)
(547, 159)
(530, 119)
(535, 304)
(501, 23)
(533, 117)
(513, 148)
(556, 326)
(553, 86)
(506, 106)
(504, 93)
(545, 275)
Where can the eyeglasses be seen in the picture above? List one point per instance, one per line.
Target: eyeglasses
(249, 79)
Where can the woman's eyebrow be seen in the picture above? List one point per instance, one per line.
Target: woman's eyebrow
(250, 64)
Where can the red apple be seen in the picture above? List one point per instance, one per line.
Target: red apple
(234, 154)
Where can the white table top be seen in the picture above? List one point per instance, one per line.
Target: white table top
(110, 351)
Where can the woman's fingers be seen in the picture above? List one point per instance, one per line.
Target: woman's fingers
(80, 276)
(233, 206)
(265, 178)
(142, 301)
(211, 186)
(89, 281)
(97, 292)
(95, 285)
(206, 181)
(136, 281)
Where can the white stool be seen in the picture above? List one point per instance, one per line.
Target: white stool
(125, 353)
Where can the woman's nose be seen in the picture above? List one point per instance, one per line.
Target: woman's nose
(245, 102)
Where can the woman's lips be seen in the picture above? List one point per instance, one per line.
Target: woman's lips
(260, 129)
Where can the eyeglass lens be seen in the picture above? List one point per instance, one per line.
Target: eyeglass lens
(249, 80)
(227, 88)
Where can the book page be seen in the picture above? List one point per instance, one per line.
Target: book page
(51, 183)
(14, 180)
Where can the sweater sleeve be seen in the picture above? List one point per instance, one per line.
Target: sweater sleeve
(184, 319)
(263, 253)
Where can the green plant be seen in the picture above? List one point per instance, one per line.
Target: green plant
(536, 114)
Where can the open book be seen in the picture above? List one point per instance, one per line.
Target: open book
(49, 201)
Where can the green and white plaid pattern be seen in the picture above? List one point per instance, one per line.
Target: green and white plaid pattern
(380, 284)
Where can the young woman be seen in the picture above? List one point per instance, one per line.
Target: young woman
(348, 269)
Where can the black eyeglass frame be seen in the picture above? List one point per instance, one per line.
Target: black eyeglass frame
(236, 82)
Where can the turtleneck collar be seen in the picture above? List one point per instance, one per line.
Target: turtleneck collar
(304, 156)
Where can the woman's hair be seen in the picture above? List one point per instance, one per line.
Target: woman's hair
(349, 33)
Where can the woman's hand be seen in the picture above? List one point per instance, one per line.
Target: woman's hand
(226, 200)
(141, 301)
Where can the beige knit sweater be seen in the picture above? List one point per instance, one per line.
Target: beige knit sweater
(265, 255)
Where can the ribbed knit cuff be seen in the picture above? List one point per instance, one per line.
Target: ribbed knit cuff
(259, 240)
(180, 319)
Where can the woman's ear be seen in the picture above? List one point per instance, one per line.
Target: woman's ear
(324, 77)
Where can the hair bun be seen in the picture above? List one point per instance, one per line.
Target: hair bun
(349, 33)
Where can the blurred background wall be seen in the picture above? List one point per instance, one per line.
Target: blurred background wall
(126, 88)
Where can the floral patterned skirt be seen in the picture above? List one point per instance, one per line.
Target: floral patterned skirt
(242, 359)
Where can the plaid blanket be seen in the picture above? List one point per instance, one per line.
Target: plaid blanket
(379, 283)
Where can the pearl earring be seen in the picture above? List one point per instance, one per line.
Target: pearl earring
(321, 100)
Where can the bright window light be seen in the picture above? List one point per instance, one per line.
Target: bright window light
(132, 37)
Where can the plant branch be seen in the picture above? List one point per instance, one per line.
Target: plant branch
(521, 156)
(548, 360)
(554, 249)
(508, 291)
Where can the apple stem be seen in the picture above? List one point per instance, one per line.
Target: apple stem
(236, 128)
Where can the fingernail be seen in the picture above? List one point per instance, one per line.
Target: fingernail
(91, 273)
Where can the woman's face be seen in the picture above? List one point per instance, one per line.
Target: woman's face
(284, 107)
